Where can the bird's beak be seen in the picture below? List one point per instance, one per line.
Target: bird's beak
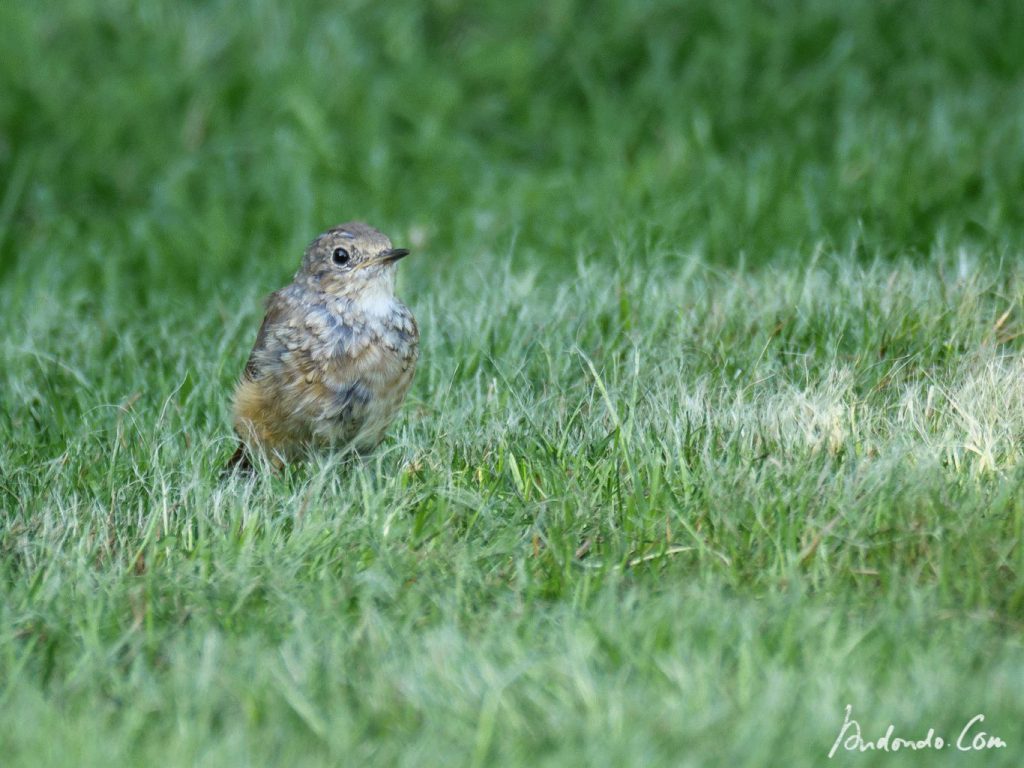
(392, 255)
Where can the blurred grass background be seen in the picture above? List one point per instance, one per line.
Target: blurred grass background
(207, 134)
(738, 277)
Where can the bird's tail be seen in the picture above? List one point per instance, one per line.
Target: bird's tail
(240, 461)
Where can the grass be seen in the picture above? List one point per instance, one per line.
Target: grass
(719, 424)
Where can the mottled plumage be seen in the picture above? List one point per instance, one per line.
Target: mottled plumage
(335, 354)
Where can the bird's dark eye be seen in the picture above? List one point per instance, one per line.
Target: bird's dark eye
(340, 256)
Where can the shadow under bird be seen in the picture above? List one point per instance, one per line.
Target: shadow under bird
(335, 354)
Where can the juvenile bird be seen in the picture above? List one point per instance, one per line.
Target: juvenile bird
(335, 354)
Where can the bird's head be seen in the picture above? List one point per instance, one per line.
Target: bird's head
(350, 257)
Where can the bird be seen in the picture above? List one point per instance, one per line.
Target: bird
(334, 356)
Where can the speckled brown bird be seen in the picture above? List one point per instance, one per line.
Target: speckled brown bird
(335, 355)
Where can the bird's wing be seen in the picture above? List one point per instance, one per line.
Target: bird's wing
(275, 310)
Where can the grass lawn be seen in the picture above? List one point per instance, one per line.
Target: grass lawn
(719, 421)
